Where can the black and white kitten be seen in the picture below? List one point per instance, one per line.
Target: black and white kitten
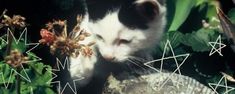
(122, 29)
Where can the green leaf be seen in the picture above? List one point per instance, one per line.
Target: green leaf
(2, 43)
(32, 57)
(38, 67)
(25, 89)
(5, 69)
(200, 2)
(182, 10)
(20, 46)
(3, 90)
(40, 79)
(174, 37)
(211, 12)
(231, 15)
(199, 41)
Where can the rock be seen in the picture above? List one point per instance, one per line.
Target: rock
(157, 83)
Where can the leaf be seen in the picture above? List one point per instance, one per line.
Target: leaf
(6, 72)
(37, 66)
(39, 79)
(2, 43)
(200, 2)
(20, 46)
(3, 90)
(231, 15)
(174, 37)
(182, 10)
(199, 41)
(38, 76)
(25, 89)
(211, 12)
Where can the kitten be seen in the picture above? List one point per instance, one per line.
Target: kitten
(123, 30)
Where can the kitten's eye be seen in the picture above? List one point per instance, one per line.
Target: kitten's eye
(124, 41)
(99, 37)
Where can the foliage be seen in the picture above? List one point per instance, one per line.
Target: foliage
(196, 42)
(181, 11)
(37, 72)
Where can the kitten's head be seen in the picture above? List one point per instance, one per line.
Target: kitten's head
(124, 27)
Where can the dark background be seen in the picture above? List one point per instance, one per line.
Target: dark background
(39, 12)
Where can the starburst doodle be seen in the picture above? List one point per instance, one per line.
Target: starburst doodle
(3, 42)
(23, 36)
(221, 84)
(150, 63)
(64, 66)
(217, 49)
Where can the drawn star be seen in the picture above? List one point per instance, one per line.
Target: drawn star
(149, 64)
(28, 52)
(221, 85)
(59, 65)
(217, 49)
(3, 42)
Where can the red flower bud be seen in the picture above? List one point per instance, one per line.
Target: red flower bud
(47, 37)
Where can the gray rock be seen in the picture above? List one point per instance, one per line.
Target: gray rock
(157, 83)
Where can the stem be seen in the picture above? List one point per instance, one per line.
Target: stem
(18, 81)
(8, 50)
(10, 39)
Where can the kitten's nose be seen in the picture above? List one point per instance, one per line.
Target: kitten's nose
(109, 58)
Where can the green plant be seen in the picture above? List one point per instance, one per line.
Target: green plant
(20, 70)
(196, 42)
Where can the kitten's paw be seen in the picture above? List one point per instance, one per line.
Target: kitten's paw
(82, 67)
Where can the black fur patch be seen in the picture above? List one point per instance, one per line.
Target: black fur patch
(131, 17)
(97, 9)
(128, 15)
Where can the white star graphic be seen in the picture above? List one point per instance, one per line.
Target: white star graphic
(26, 77)
(59, 64)
(2, 41)
(216, 49)
(24, 34)
(220, 84)
(148, 64)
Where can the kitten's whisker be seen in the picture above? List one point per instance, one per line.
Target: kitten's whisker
(133, 69)
(141, 60)
(129, 65)
(138, 58)
(131, 61)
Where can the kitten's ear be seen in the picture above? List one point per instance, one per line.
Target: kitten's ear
(148, 9)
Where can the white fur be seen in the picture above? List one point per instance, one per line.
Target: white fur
(83, 66)
(111, 29)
